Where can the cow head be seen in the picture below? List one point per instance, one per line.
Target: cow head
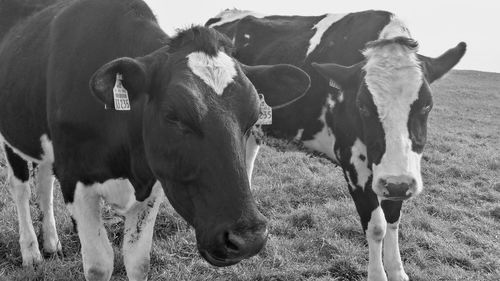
(197, 106)
(391, 95)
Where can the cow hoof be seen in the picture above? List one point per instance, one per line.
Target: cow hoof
(52, 249)
(97, 274)
(52, 255)
(31, 258)
(377, 276)
(398, 276)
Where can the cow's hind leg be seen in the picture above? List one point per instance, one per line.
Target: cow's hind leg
(19, 188)
(374, 225)
(392, 257)
(139, 223)
(97, 253)
(45, 181)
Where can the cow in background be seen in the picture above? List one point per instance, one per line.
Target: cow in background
(366, 109)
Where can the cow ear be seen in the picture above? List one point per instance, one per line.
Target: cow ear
(339, 76)
(133, 79)
(280, 84)
(435, 68)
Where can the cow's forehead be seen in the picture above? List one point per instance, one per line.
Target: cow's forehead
(217, 71)
(393, 76)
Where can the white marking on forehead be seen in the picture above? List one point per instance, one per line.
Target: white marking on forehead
(359, 149)
(396, 27)
(227, 16)
(321, 28)
(247, 36)
(216, 71)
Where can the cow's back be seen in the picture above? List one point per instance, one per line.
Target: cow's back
(23, 61)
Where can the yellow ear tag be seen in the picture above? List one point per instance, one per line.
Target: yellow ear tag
(266, 113)
(120, 94)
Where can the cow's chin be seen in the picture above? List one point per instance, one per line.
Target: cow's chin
(216, 261)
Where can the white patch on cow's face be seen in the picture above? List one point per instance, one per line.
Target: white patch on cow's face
(396, 27)
(227, 16)
(323, 141)
(394, 78)
(358, 151)
(216, 71)
(321, 28)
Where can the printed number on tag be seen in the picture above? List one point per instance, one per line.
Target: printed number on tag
(120, 94)
(266, 113)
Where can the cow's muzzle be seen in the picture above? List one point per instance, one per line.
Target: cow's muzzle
(396, 188)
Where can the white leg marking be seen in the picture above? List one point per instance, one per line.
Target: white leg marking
(45, 190)
(45, 183)
(392, 258)
(21, 193)
(139, 223)
(97, 252)
(375, 234)
(252, 148)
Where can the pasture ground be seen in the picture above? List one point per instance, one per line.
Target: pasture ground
(450, 232)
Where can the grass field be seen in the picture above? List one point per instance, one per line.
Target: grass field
(450, 232)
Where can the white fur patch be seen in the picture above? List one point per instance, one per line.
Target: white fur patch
(97, 253)
(217, 72)
(321, 28)
(394, 78)
(323, 141)
(392, 258)
(359, 149)
(374, 235)
(252, 148)
(298, 136)
(396, 27)
(138, 234)
(227, 16)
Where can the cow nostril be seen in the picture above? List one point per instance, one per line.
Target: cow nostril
(232, 242)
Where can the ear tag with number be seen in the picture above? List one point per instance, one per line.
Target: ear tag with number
(266, 113)
(120, 94)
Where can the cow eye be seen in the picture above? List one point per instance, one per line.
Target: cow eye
(426, 109)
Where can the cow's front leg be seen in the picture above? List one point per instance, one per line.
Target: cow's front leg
(139, 223)
(97, 253)
(374, 225)
(392, 257)
(20, 191)
(45, 182)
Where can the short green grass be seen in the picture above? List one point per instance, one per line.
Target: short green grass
(450, 232)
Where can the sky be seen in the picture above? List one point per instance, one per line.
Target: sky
(437, 25)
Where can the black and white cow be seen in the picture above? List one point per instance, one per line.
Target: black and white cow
(171, 113)
(370, 113)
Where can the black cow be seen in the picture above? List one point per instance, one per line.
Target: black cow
(175, 111)
(370, 113)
